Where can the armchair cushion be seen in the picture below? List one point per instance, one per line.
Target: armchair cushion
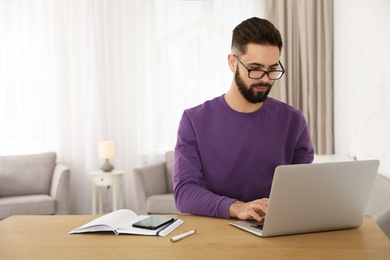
(18, 172)
(169, 156)
(161, 204)
(30, 204)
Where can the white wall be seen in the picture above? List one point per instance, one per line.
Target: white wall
(362, 79)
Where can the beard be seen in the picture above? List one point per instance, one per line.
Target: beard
(249, 93)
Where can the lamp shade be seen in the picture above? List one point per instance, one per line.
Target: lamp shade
(106, 149)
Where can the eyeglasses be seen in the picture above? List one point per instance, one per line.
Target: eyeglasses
(259, 74)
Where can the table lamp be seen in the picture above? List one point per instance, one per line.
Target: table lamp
(106, 151)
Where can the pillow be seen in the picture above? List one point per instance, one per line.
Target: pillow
(26, 174)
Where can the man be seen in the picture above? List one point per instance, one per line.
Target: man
(228, 148)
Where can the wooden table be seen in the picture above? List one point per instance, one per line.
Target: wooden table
(46, 237)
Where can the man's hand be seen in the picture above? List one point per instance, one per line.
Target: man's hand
(251, 210)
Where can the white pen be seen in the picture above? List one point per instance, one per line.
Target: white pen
(181, 236)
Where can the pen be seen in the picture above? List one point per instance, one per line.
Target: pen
(181, 236)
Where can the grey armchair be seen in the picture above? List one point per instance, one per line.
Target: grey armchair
(33, 185)
(379, 205)
(154, 188)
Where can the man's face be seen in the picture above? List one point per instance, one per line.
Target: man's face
(257, 57)
(254, 93)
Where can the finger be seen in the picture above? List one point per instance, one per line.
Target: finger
(261, 210)
(255, 215)
(261, 202)
(265, 202)
(261, 206)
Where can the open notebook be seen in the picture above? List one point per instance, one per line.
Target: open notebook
(308, 198)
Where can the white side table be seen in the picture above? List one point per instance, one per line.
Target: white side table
(101, 180)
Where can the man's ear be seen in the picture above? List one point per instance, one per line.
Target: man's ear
(232, 62)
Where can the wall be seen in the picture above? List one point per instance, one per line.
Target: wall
(362, 79)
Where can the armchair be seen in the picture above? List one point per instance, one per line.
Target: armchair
(33, 185)
(379, 204)
(154, 188)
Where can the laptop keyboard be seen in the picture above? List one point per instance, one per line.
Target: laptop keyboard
(258, 226)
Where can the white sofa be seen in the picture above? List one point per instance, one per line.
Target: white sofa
(33, 185)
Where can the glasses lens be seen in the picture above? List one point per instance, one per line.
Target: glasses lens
(256, 74)
(272, 75)
(275, 74)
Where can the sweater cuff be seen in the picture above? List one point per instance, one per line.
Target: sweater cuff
(224, 207)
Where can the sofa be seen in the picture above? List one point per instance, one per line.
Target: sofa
(33, 185)
(154, 190)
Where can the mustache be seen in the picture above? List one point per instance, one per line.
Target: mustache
(261, 85)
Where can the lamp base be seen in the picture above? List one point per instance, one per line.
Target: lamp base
(107, 166)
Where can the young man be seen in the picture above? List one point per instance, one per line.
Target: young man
(228, 148)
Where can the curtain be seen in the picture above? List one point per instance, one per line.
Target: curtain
(75, 72)
(306, 28)
(65, 84)
(184, 62)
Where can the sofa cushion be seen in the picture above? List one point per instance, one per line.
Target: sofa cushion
(26, 174)
(33, 204)
(169, 156)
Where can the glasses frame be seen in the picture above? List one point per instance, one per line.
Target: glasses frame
(265, 72)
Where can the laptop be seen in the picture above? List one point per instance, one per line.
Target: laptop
(316, 197)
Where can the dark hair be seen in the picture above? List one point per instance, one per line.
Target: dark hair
(255, 30)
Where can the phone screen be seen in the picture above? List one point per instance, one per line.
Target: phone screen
(153, 222)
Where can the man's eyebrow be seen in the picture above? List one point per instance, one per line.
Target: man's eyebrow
(262, 65)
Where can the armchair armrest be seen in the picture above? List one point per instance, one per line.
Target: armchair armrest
(384, 222)
(149, 180)
(59, 189)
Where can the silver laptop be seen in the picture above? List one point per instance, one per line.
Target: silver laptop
(317, 197)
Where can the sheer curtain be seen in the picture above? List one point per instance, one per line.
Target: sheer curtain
(184, 62)
(65, 83)
(307, 31)
(74, 72)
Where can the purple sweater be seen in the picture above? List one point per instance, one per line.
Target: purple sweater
(223, 155)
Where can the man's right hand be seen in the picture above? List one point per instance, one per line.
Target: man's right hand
(256, 209)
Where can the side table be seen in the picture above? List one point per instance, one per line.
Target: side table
(101, 180)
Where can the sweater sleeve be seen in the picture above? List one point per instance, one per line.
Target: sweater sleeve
(304, 150)
(190, 194)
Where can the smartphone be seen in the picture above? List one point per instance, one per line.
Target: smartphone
(153, 222)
